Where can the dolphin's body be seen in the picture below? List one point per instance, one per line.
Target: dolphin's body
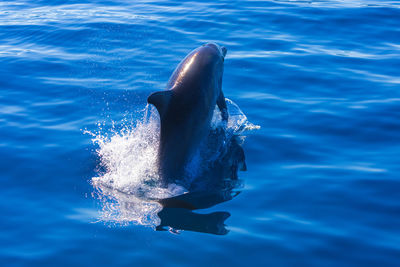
(186, 108)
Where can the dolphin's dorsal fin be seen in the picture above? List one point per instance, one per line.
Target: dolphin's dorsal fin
(160, 100)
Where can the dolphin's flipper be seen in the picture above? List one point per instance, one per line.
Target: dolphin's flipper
(222, 106)
(160, 100)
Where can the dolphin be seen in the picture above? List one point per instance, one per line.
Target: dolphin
(186, 108)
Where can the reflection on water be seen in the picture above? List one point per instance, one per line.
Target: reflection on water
(183, 219)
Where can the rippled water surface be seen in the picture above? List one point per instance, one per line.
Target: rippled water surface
(320, 78)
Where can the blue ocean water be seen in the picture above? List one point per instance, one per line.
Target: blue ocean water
(320, 78)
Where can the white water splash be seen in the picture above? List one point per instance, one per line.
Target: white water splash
(237, 122)
(128, 184)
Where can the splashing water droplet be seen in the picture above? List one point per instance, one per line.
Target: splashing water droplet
(128, 183)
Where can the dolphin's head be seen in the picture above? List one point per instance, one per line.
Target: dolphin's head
(205, 61)
(217, 53)
(221, 49)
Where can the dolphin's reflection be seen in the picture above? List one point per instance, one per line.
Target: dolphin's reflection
(215, 186)
(178, 214)
(183, 219)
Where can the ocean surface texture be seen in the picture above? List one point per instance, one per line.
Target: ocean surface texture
(320, 78)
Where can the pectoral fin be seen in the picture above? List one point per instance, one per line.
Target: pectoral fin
(222, 106)
(160, 100)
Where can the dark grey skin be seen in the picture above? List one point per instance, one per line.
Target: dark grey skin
(186, 108)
